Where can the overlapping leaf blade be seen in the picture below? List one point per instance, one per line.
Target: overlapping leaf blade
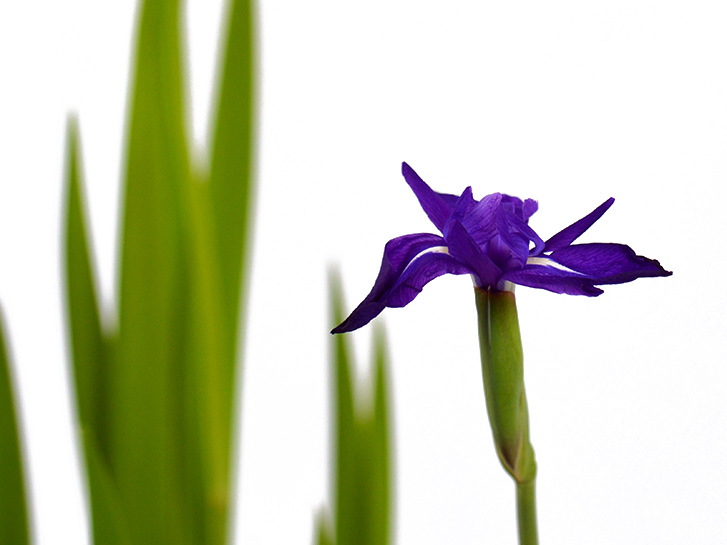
(155, 398)
(110, 526)
(347, 487)
(380, 447)
(362, 489)
(13, 510)
(90, 353)
(149, 442)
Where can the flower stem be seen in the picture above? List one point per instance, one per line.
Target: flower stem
(527, 523)
(507, 407)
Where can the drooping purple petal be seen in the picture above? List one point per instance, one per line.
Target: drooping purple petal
(607, 263)
(466, 251)
(398, 254)
(421, 271)
(433, 203)
(573, 231)
(552, 279)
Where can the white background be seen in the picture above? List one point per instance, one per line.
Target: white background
(567, 102)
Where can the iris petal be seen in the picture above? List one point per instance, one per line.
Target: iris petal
(607, 263)
(398, 253)
(420, 272)
(423, 270)
(465, 250)
(573, 231)
(490, 239)
(552, 279)
(434, 204)
(481, 220)
(529, 208)
(523, 228)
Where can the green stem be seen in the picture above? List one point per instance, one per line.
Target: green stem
(527, 523)
(507, 407)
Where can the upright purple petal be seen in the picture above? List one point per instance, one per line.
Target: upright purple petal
(465, 250)
(529, 208)
(520, 227)
(607, 263)
(432, 202)
(398, 254)
(552, 279)
(465, 203)
(510, 248)
(573, 231)
(481, 220)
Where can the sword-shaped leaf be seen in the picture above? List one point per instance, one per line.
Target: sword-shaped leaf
(90, 354)
(84, 324)
(13, 514)
(346, 486)
(110, 526)
(362, 448)
(153, 459)
(381, 489)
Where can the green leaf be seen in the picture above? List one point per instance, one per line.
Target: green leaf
(380, 457)
(110, 526)
(322, 529)
(155, 460)
(362, 448)
(220, 214)
(13, 514)
(90, 352)
(232, 159)
(346, 431)
(87, 342)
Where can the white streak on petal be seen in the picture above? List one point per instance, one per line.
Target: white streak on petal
(547, 262)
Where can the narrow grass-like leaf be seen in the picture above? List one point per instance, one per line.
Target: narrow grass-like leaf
(208, 419)
(89, 354)
(362, 448)
(84, 324)
(322, 529)
(222, 213)
(154, 462)
(232, 157)
(347, 482)
(381, 494)
(110, 526)
(13, 511)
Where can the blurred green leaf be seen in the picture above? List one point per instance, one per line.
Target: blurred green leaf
(362, 448)
(381, 489)
(221, 216)
(90, 353)
(87, 341)
(347, 486)
(156, 398)
(13, 515)
(110, 526)
(232, 157)
(153, 459)
(323, 532)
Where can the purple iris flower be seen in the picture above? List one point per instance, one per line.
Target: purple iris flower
(491, 240)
